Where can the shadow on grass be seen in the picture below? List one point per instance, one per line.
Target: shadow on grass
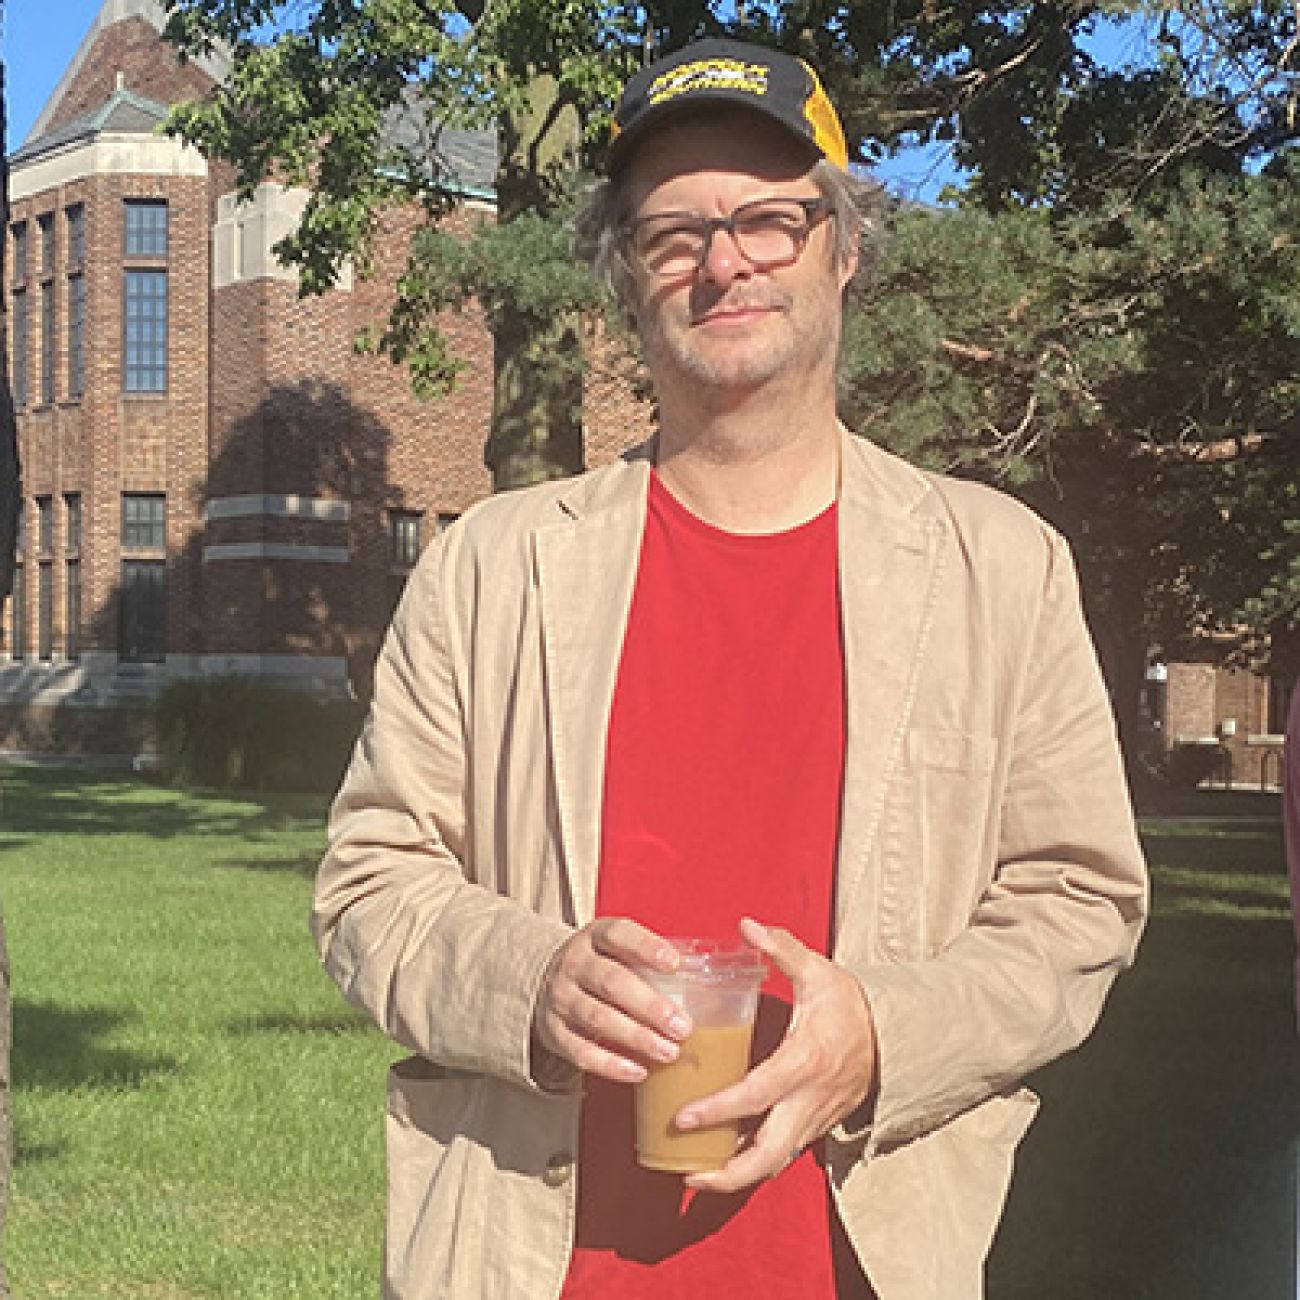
(63, 1048)
(341, 1022)
(1162, 1164)
(30, 1153)
(37, 800)
(299, 864)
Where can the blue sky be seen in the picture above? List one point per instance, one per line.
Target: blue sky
(40, 37)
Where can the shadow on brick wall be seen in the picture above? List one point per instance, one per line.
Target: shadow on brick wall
(287, 552)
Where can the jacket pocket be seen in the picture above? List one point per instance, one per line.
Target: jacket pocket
(935, 855)
(460, 1142)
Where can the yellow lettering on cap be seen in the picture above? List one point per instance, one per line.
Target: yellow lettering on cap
(709, 74)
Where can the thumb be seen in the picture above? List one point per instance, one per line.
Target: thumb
(774, 942)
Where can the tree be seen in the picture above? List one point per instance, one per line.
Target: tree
(1131, 371)
(316, 85)
(1106, 316)
(315, 104)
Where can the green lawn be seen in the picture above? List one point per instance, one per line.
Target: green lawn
(1163, 1164)
(198, 1115)
(196, 1111)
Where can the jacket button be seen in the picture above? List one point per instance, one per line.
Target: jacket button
(558, 1171)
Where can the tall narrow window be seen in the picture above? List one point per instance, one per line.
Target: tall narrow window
(45, 227)
(20, 346)
(142, 630)
(44, 526)
(404, 538)
(144, 325)
(144, 521)
(76, 231)
(72, 574)
(72, 511)
(75, 216)
(20, 267)
(44, 578)
(45, 611)
(18, 368)
(45, 231)
(18, 598)
(18, 613)
(145, 339)
(47, 342)
(72, 611)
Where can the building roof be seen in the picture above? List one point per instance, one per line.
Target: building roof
(464, 160)
(216, 64)
(123, 112)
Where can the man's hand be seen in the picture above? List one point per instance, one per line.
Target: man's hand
(823, 1070)
(594, 1011)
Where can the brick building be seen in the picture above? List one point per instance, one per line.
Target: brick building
(215, 481)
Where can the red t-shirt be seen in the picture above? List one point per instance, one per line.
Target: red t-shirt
(722, 798)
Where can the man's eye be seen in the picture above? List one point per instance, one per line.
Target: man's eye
(781, 219)
(662, 244)
(670, 234)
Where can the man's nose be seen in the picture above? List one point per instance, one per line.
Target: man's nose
(723, 261)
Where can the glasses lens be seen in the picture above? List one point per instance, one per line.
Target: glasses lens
(669, 245)
(770, 232)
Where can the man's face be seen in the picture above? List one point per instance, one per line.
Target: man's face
(730, 324)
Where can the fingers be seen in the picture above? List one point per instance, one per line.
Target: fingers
(823, 1070)
(596, 1012)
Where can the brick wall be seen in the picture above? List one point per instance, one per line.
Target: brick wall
(147, 64)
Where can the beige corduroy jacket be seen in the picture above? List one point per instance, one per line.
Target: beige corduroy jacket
(989, 884)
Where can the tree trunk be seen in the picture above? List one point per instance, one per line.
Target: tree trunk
(537, 364)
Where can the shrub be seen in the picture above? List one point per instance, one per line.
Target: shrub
(233, 733)
(1188, 764)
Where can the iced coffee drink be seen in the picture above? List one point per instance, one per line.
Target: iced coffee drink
(718, 986)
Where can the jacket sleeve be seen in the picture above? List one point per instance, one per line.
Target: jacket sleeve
(1025, 981)
(446, 966)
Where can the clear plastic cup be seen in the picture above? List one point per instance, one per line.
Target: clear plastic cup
(717, 984)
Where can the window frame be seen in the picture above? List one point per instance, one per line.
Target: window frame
(142, 239)
(144, 529)
(405, 537)
(151, 374)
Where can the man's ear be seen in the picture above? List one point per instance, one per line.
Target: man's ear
(848, 268)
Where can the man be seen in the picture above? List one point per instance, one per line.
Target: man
(758, 677)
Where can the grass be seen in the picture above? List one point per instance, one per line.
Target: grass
(197, 1114)
(1163, 1163)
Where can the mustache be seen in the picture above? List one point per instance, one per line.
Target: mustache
(706, 302)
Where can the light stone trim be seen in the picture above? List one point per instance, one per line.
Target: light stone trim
(275, 506)
(221, 551)
(246, 232)
(109, 154)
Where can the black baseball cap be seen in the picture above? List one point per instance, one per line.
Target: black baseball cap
(784, 89)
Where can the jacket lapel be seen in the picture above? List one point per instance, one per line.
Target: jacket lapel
(587, 564)
(890, 565)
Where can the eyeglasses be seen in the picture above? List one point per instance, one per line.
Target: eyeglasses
(767, 233)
